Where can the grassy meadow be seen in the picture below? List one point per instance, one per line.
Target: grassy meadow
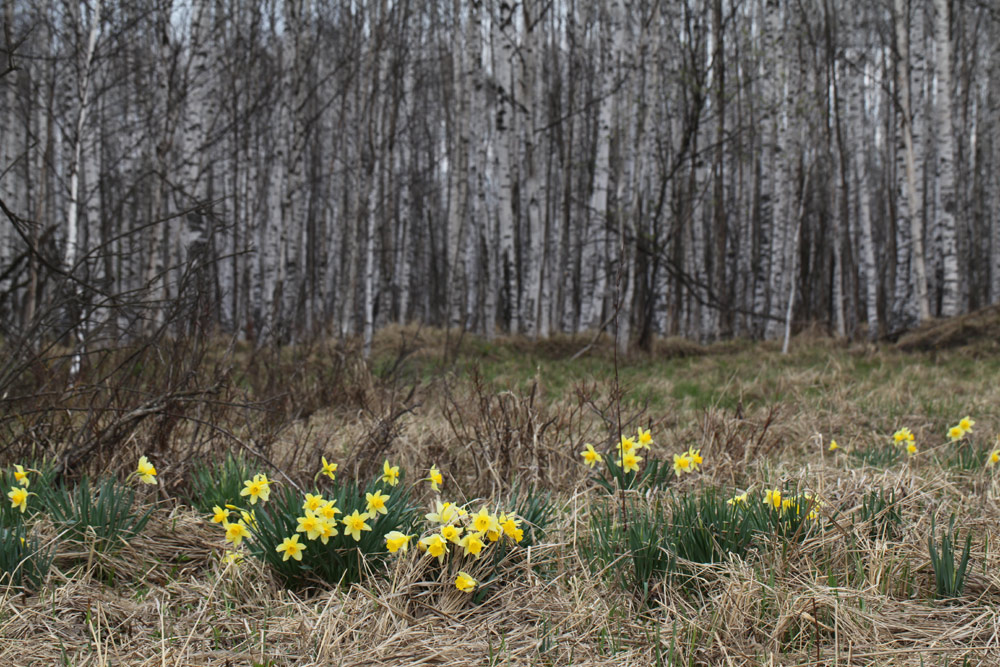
(741, 538)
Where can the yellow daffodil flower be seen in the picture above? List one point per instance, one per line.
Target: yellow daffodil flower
(21, 476)
(813, 503)
(590, 457)
(511, 527)
(249, 518)
(313, 502)
(738, 499)
(966, 424)
(645, 438)
(626, 445)
(329, 511)
(376, 503)
(833, 445)
(235, 532)
(221, 514)
(327, 529)
(328, 469)
(682, 464)
(695, 456)
(310, 524)
(911, 449)
(473, 544)
(291, 547)
(484, 521)
(902, 434)
(629, 462)
(19, 497)
(956, 433)
(465, 583)
(451, 533)
(435, 477)
(257, 488)
(772, 497)
(395, 540)
(435, 545)
(993, 458)
(355, 523)
(232, 558)
(146, 471)
(390, 474)
(443, 513)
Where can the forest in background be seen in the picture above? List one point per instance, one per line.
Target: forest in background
(702, 168)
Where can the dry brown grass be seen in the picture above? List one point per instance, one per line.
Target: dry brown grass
(762, 420)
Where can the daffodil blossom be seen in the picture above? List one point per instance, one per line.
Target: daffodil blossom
(473, 544)
(435, 477)
(465, 583)
(395, 541)
(682, 464)
(376, 503)
(738, 499)
(313, 502)
(629, 462)
(435, 545)
(21, 476)
(146, 471)
(328, 469)
(19, 498)
(354, 524)
(484, 521)
(235, 532)
(390, 474)
(590, 457)
(993, 458)
(291, 547)
(310, 524)
(221, 514)
(451, 533)
(772, 497)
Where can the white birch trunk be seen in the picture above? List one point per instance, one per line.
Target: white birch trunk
(503, 43)
(595, 252)
(780, 222)
(993, 178)
(910, 202)
(72, 216)
(370, 269)
(529, 98)
(477, 159)
(868, 268)
(945, 131)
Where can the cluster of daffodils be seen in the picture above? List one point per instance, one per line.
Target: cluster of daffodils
(319, 520)
(687, 462)
(257, 489)
(453, 529)
(785, 505)
(18, 494)
(963, 428)
(904, 438)
(628, 459)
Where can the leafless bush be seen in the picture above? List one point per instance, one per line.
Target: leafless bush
(737, 439)
(507, 434)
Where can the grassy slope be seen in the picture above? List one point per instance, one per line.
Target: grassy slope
(161, 600)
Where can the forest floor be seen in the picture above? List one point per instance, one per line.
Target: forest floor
(505, 422)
